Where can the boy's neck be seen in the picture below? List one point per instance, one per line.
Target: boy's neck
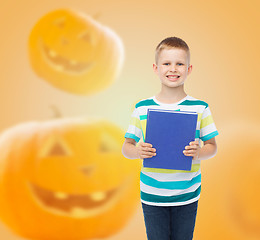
(170, 95)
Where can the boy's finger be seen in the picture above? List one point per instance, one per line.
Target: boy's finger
(147, 155)
(148, 152)
(186, 153)
(191, 147)
(148, 149)
(147, 144)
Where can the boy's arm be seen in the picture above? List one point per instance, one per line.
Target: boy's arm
(208, 150)
(131, 151)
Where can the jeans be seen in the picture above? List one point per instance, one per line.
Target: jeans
(170, 223)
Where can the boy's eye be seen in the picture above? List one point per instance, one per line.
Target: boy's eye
(166, 64)
(179, 63)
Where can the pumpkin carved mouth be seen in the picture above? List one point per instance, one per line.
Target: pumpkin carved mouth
(76, 205)
(63, 64)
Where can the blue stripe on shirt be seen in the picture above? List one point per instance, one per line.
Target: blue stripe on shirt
(130, 135)
(171, 185)
(209, 136)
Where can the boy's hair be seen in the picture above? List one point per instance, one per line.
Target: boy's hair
(171, 42)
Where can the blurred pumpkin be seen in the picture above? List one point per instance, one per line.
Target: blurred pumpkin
(229, 207)
(66, 179)
(74, 52)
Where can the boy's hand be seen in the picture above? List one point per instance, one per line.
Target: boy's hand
(145, 150)
(192, 150)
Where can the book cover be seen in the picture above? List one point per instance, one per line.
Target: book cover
(169, 132)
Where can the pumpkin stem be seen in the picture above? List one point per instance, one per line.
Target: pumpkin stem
(56, 111)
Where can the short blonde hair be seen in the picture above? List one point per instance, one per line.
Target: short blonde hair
(171, 42)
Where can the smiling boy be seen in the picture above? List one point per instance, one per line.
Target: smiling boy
(170, 197)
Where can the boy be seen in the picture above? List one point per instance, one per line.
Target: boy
(170, 197)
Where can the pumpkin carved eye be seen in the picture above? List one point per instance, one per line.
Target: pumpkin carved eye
(57, 150)
(55, 147)
(60, 23)
(108, 144)
(84, 36)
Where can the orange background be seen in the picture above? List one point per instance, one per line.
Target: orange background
(224, 40)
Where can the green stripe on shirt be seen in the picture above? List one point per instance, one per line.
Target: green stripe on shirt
(147, 102)
(196, 102)
(168, 199)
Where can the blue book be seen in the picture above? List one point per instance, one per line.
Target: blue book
(169, 132)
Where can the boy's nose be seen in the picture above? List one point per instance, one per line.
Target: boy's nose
(173, 68)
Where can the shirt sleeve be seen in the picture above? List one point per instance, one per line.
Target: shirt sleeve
(134, 130)
(208, 129)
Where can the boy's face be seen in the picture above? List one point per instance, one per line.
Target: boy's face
(173, 67)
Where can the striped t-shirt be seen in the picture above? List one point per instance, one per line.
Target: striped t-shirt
(166, 187)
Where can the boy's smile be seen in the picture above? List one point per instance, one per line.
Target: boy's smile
(173, 77)
(173, 67)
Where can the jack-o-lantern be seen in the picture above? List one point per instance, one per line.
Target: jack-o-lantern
(74, 52)
(66, 179)
(229, 208)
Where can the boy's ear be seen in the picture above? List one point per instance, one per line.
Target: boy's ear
(189, 69)
(154, 67)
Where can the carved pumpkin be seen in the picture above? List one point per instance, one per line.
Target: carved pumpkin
(74, 52)
(66, 180)
(229, 207)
